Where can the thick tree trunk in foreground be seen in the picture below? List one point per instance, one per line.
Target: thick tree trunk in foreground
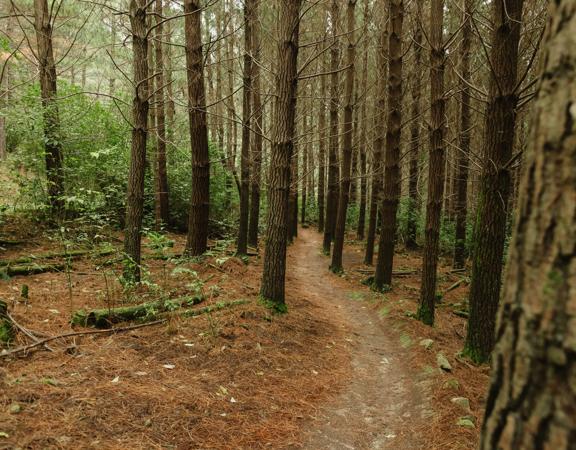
(52, 137)
(490, 229)
(161, 206)
(343, 198)
(391, 193)
(242, 244)
(256, 161)
(274, 272)
(465, 132)
(333, 169)
(436, 165)
(197, 239)
(379, 110)
(413, 201)
(532, 395)
(140, 105)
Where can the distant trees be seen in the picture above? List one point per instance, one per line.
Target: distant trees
(531, 399)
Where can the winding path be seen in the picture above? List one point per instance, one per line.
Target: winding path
(383, 401)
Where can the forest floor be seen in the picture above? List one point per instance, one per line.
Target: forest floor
(343, 369)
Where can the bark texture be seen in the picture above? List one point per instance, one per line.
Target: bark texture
(52, 134)
(391, 192)
(347, 153)
(140, 106)
(161, 205)
(274, 272)
(197, 238)
(413, 200)
(533, 391)
(242, 244)
(492, 211)
(333, 169)
(465, 132)
(436, 165)
(379, 110)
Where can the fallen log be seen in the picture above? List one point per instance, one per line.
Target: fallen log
(31, 269)
(10, 243)
(70, 254)
(105, 318)
(190, 313)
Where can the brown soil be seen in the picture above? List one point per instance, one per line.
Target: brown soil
(342, 370)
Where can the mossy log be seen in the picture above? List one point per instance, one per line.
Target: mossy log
(70, 254)
(105, 318)
(31, 269)
(10, 243)
(6, 328)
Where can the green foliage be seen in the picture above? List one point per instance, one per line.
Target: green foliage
(275, 307)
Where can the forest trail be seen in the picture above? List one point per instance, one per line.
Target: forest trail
(382, 404)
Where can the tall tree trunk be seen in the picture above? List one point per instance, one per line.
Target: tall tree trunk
(490, 228)
(140, 106)
(322, 152)
(161, 206)
(413, 201)
(465, 132)
(293, 199)
(363, 135)
(436, 165)
(112, 79)
(197, 239)
(52, 134)
(259, 131)
(379, 110)
(170, 105)
(274, 272)
(305, 169)
(391, 193)
(333, 169)
(242, 244)
(340, 232)
(532, 395)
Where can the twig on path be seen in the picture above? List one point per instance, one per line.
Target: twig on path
(26, 331)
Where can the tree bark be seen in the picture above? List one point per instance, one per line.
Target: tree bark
(391, 193)
(532, 395)
(161, 205)
(490, 228)
(363, 135)
(274, 272)
(54, 157)
(465, 131)
(197, 239)
(343, 198)
(140, 106)
(436, 165)
(413, 200)
(333, 169)
(242, 244)
(256, 165)
(322, 152)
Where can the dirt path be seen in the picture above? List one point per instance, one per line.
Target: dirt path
(383, 402)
